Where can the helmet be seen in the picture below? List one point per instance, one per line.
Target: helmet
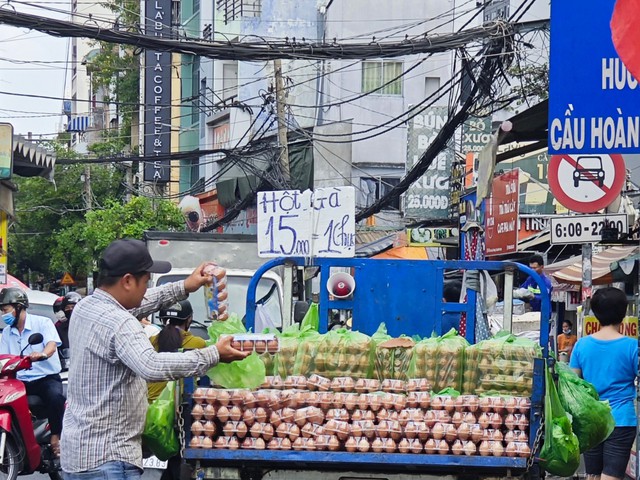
(14, 296)
(70, 298)
(57, 305)
(180, 311)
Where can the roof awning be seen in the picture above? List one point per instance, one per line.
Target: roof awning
(31, 160)
(404, 253)
(369, 244)
(608, 266)
(534, 240)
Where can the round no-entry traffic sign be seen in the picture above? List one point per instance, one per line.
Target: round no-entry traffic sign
(586, 183)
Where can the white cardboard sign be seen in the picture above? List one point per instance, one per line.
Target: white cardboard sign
(304, 224)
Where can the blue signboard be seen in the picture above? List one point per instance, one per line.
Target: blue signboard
(594, 102)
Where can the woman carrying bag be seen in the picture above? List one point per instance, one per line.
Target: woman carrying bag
(173, 337)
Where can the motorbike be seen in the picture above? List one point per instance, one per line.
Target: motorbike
(25, 437)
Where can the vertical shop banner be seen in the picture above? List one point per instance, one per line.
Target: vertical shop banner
(455, 186)
(535, 196)
(501, 215)
(157, 94)
(476, 133)
(429, 196)
(4, 247)
(6, 150)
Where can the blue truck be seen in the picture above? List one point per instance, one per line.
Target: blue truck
(407, 296)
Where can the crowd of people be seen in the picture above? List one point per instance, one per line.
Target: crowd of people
(116, 369)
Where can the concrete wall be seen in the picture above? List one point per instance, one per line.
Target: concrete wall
(356, 19)
(332, 161)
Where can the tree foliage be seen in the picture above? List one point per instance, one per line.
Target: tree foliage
(129, 220)
(532, 83)
(53, 232)
(47, 213)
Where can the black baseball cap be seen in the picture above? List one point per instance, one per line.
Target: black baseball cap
(178, 311)
(129, 256)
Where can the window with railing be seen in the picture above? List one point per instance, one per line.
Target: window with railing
(235, 9)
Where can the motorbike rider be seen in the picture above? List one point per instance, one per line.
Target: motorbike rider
(43, 378)
(57, 310)
(69, 301)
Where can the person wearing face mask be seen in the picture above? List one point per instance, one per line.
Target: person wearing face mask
(67, 305)
(57, 310)
(567, 339)
(43, 378)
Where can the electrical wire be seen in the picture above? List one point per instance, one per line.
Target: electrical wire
(251, 51)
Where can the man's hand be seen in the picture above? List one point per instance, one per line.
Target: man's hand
(227, 353)
(38, 356)
(197, 279)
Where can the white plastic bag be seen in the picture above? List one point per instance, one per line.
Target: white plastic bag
(263, 319)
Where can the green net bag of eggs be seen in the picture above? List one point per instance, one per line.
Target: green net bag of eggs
(345, 353)
(393, 358)
(502, 365)
(440, 360)
(290, 339)
(305, 363)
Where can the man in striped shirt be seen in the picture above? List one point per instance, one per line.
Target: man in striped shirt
(112, 360)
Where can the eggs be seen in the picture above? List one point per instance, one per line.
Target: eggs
(199, 395)
(319, 414)
(197, 428)
(235, 414)
(267, 431)
(438, 431)
(377, 445)
(457, 448)
(390, 445)
(222, 414)
(351, 445)
(443, 447)
(403, 446)
(363, 445)
(197, 412)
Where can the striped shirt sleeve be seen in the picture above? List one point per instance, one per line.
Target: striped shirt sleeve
(134, 349)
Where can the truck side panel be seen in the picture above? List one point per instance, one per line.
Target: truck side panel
(188, 249)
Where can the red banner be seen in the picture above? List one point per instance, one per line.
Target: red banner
(501, 215)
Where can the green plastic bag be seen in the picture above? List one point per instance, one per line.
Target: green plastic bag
(591, 419)
(440, 360)
(393, 358)
(560, 454)
(345, 353)
(247, 373)
(502, 364)
(380, 335)
(311, 318)
(306, 354)
(269, 358)
(159, 434)
(290, 340)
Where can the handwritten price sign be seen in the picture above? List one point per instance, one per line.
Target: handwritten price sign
(319, 223)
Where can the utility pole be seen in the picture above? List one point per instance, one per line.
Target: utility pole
(282, 124)
(87, 187)
(86, 193)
